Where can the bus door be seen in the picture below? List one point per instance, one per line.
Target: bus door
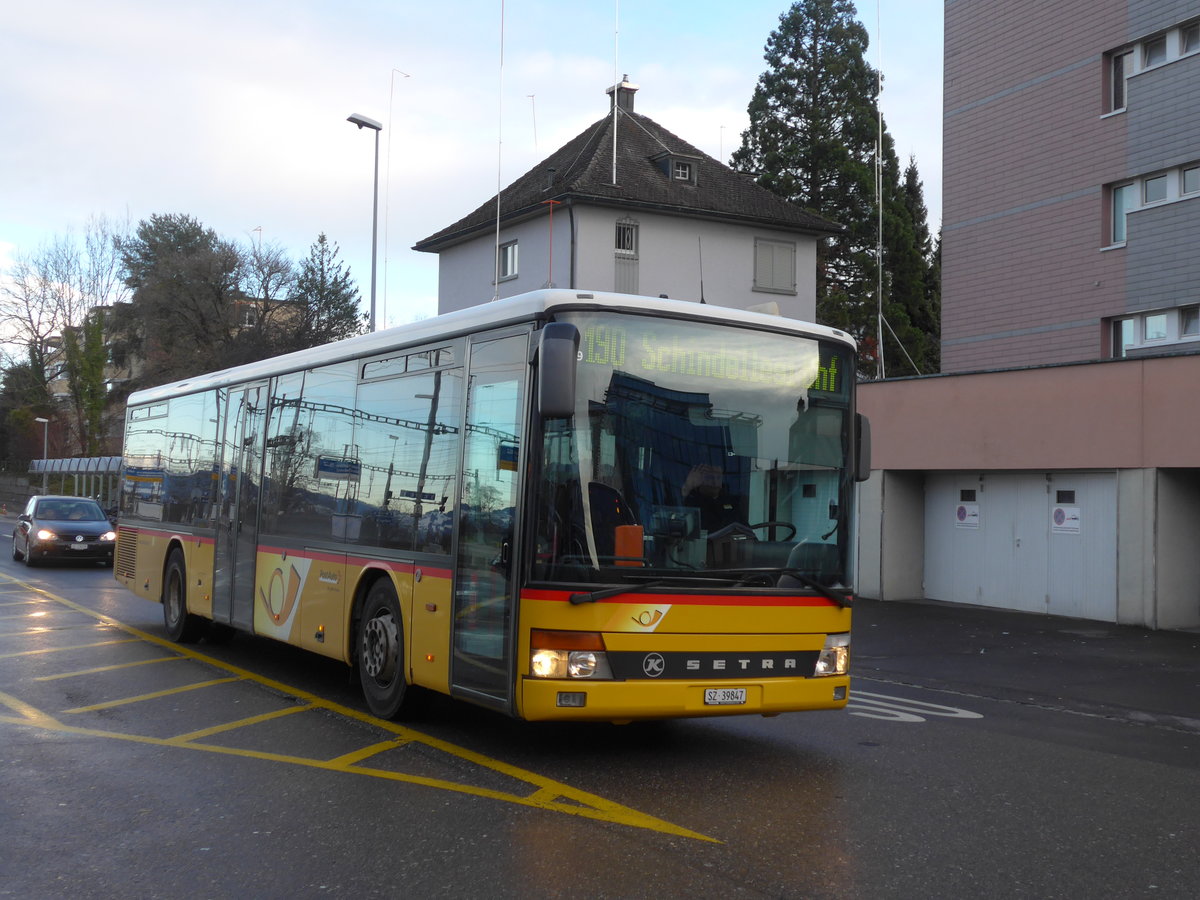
(484, 586)
(234, 554)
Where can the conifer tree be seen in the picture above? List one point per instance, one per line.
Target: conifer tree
(812, 139)
(325, 299)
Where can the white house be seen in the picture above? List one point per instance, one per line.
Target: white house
(655, 217)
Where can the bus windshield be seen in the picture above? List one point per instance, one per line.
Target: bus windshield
(697, 450)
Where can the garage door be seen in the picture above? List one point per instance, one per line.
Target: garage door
(1025, 541)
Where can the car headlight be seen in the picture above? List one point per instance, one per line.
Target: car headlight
(108, 536)
(835, 656)
(45, 534)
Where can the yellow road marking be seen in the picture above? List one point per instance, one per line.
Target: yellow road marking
(240, 723)
(125, 701)
(357, 756)
(45, 650)
(546, 794)
(29, 715)
(98, 669)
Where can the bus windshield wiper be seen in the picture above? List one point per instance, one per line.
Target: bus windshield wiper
(841, 598)
(593, 596)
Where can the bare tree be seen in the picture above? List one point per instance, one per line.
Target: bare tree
(52, 311)
(268, 279)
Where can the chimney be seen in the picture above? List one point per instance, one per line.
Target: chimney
(623, 94)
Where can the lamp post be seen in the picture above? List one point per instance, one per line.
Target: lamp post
(45, 453)
(363, 122)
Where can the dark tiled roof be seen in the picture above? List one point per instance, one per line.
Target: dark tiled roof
(583, 174)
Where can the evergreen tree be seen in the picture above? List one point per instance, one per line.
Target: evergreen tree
(184, 280)
(812, 139)
(325, 301)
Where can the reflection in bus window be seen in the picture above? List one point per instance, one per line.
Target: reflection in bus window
(406, 433)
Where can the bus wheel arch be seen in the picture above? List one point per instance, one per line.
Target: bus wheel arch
(379, 648)
(181, 626)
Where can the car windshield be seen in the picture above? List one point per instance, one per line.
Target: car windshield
(697, 450)
(69, 510)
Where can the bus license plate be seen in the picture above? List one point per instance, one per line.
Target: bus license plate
(724, 696)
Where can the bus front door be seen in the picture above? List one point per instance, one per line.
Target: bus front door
(235, 550)
(484, 593)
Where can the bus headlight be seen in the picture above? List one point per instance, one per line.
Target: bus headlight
(568, 654)
(835, 656)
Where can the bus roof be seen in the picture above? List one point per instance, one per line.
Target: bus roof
(529, 307)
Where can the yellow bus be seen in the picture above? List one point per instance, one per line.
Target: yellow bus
(560, 506)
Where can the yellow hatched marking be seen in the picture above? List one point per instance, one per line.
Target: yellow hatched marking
(240, 723)
(152, 696)
(113, 668)
(46, 650)
(545, 793)
(29, 715)
(357, 756)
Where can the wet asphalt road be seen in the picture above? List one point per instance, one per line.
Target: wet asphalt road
(984, 754)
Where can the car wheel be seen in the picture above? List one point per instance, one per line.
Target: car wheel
(182, 627)
(16, 553)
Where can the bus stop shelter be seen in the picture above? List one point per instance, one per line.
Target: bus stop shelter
(91, 476)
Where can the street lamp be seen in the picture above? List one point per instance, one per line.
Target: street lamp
(363, 122)
(45, 453)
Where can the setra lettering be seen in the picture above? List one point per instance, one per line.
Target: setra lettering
(741, 664)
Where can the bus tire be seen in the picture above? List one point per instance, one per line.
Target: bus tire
(181, 626)
(380, 651)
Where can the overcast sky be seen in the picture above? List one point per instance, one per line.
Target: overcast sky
(234, 111)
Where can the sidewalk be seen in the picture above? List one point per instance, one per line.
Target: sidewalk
(1105, 669)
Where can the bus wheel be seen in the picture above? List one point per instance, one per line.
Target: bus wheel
(182, 627)
(381, 651)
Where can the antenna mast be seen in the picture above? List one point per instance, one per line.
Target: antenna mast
(616, 83)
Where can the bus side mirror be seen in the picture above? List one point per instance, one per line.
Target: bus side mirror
(557, 358)
(862, 447)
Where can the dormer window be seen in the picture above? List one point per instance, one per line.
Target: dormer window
(679, 168)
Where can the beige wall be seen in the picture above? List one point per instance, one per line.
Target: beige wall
(1119, 414)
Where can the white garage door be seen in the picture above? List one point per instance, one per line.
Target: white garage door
(1025, 541)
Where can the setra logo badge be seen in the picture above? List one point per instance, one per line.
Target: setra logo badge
(654, 665)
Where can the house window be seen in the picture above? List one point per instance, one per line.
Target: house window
(1123, 337)
(1189, 320)
(1155, 327)
(1189, 38)
(249, 316)
(1122, 201)
(1191, 180)
(507, 263)
(774, 266)
(627, 239)
(1118, 72)
(682, 171)
(1154, 51)
(1154, 189)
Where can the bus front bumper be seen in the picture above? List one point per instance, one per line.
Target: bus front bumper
(624, 701)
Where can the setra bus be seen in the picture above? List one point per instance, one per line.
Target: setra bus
(561, 505)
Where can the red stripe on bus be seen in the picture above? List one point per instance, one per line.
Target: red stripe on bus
(683, 599)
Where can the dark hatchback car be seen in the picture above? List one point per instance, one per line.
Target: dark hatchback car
(63, 528)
